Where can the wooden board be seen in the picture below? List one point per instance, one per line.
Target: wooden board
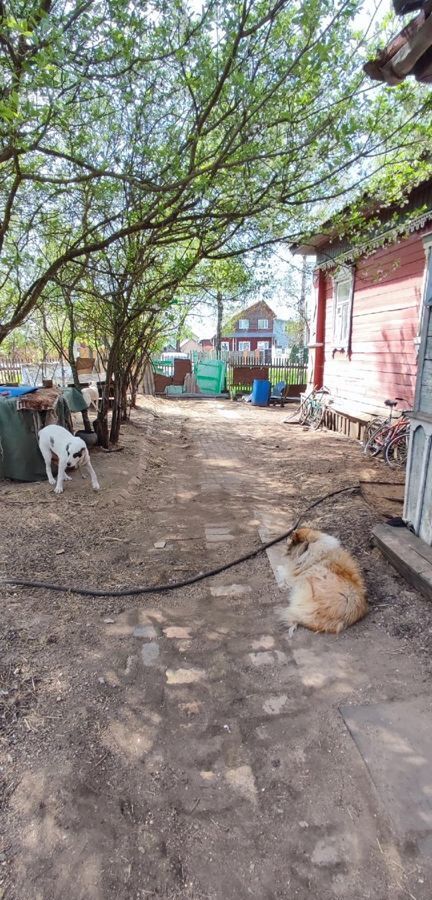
(408, 554)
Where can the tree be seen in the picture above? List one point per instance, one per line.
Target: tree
(124, 295)
(223, 130)
(218, 284)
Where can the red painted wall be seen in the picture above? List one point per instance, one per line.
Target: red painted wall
(385, 322)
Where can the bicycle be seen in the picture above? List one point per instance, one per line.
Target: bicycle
(313, 407)
(396, 451)
(390, 439)
(379, 421)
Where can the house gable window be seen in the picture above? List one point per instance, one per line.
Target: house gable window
(343, 298)
(244, 345)
(243, 324)
(263, 324)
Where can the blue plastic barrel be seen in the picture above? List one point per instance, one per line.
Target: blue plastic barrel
(261, 392)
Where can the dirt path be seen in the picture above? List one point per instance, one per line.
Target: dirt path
(181, 746)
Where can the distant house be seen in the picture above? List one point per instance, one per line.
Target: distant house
(191, 345)
(207, 344)
(366, 310)
(254, 328)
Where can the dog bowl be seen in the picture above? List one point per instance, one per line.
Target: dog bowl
(89, 438)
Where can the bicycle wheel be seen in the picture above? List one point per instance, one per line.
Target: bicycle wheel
(317, 417)
(304, 411)
(396, 451)
(372, 427)
(376, 443)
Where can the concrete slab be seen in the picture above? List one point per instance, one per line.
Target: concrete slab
(277, 557)
(395, 741)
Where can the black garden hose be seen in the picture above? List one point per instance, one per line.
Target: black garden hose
(174, 585)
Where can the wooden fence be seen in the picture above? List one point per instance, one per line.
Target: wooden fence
(10, 373)
(242, 370)
(20, 371)
(240, 377)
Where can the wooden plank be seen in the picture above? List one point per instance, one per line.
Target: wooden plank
(378, 381)
(408, 554)
(365, 364)
(382, 346)
(400, 315)
(373, 330)
(426, 387)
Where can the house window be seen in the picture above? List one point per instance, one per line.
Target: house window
(225, 346)
(243, 324)
(263, 345)
(343, 294)
(244, 345)
(262, 324)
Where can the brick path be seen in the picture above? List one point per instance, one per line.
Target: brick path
(224, 769)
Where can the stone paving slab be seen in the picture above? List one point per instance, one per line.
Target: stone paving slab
(395, 741)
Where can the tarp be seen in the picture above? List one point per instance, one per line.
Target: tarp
(74, 399)
(17, 391)
(20, 457)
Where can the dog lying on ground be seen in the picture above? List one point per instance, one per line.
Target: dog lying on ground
(71, 452)
(328, 591)
(91, 396)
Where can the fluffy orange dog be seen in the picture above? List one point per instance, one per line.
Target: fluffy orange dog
(328, 591)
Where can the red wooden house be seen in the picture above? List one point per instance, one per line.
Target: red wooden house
(366, 310)
(255, 328)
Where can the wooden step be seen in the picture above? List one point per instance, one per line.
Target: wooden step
(408, 554)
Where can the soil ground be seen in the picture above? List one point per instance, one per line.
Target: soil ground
(181, 745)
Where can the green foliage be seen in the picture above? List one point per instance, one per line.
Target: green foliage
(208, 133)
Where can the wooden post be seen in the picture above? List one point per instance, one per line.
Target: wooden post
(318, 368)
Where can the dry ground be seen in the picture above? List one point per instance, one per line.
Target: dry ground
(180, 745)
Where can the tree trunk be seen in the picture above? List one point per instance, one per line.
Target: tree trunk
(116, 416)
(101, 423)
(134, 389)
(219, 303)
(76, 381)
(124, 406)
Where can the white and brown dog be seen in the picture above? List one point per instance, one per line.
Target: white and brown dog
(327, 589)
(70, 451)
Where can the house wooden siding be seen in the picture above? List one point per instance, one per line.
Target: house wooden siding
(382, 362)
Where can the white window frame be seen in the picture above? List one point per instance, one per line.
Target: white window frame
(243, 324)
(263, 324)
(225, 346)
(261, 343)
(242, 348)
(342, 333)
